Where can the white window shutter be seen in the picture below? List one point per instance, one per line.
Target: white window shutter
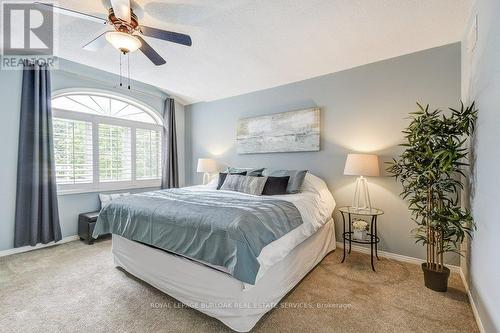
(104, 142)
(73, 151)
(115, 161)
(148, 154)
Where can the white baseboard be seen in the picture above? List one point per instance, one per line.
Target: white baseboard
(472, 303)
(395, 256)
(36, 247)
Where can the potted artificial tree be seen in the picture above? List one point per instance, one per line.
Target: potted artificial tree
(430, 170)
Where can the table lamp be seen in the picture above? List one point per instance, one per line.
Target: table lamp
(362, 165)
(207, 166)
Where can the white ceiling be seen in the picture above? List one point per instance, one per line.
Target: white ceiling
(241, 46)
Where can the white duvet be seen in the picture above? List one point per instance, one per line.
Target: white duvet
(315, 204)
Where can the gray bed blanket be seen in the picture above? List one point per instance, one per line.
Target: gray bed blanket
(220, 228)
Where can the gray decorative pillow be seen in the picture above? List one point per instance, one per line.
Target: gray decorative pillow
(249, 171)
(107, 198)
(296, 178)
(244, 184)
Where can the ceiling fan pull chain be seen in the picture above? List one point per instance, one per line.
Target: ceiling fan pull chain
(120, 69)
(128, 69)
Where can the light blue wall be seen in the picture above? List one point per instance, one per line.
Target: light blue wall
(481, 82)
(69, 75)
(10, 96)
(363, 109)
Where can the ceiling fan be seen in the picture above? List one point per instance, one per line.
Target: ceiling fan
(127, 33)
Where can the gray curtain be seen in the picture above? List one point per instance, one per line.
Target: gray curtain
(170, 168)
(37, 216)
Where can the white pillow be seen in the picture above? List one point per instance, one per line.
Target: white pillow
(313, 184)
(212, 184)
(316, 185)
(106, 198)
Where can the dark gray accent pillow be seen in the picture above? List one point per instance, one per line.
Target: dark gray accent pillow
(245, 184)
(249, 171)
(222, 177)
(296, 178)
(276, 185)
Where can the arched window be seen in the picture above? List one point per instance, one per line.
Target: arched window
(105, 142)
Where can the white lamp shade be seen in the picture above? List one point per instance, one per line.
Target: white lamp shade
(361, 165)
(123, 41)
(206, 165)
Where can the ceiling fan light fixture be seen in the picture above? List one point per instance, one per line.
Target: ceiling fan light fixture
(123, 41)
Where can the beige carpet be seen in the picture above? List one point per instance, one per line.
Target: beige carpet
(74, 287)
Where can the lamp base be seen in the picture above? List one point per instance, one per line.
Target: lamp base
(206, 178)
(361, 198)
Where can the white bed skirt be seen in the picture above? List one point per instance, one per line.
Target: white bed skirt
(215, 293)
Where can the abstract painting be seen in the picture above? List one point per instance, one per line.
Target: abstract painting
(281, 132)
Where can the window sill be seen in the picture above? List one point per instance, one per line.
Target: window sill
(149, 185)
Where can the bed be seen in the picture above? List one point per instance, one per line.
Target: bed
(235, 283)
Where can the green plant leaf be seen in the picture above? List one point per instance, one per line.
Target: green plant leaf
(431, 169)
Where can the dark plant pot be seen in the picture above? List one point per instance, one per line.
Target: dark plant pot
(436, 280)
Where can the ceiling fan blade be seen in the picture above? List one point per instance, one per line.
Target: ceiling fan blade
(121, 8)
(97, 43)
(169, 36)
(69, 12)
(151, 53)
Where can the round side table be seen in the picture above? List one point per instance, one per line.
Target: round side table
(371, 238)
